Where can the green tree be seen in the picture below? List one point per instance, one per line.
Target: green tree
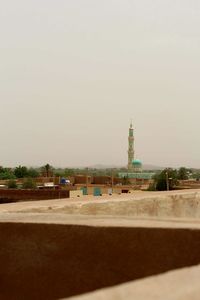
(12, 184)
(196, 175)
(47, 170)
(183, 173)
(6, 173)
(33, 173)
(21, 172)
(167, 177)
(29, 183)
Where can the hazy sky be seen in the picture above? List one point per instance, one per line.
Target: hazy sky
(74, 72)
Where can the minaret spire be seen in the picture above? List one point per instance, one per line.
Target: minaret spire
(130, 147)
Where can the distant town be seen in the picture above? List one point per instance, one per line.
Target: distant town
(49, 182)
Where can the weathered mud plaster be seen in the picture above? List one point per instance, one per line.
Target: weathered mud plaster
(181, 284)
(182, 204)
(52, 256)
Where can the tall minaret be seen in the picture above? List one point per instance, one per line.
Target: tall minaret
(130, 148)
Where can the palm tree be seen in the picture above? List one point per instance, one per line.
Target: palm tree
(47, 170)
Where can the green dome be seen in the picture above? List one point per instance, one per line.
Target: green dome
(137, 162)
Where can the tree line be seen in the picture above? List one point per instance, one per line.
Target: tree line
(50, 171)
(166, 179)
(169, 178)
(20, 172)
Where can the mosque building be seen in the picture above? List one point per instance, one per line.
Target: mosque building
(135, 172)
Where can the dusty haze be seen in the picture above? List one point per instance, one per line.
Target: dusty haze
(73, 74)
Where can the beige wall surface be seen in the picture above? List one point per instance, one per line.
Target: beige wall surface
(75, 194)
(181, 204)
(182, 284)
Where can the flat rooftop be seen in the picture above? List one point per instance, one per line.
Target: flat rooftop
(172, 204)
(111, 247)
(98, 221)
